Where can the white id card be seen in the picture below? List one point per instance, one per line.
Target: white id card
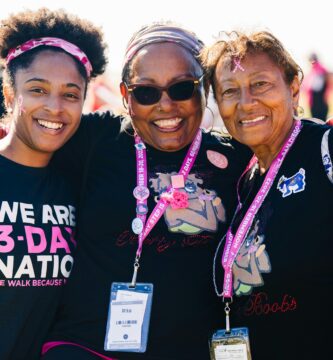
(233, 345)
(128, 319)
(234, 352)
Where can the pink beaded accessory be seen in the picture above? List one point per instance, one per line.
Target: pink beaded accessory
(70, 48)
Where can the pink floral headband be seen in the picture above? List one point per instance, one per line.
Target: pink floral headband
(51, 41)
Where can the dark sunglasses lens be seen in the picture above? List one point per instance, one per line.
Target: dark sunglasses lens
(182, 90)
(146, 95)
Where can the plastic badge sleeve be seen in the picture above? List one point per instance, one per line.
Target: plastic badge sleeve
(128, 318)
(230, 346)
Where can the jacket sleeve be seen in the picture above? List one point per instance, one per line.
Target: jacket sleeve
(72, 157)
(327, 153)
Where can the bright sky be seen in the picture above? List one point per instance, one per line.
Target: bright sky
(302, 25)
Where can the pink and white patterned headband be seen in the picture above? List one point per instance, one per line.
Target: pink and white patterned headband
(70, 48)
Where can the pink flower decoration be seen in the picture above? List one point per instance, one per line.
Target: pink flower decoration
(176, 198)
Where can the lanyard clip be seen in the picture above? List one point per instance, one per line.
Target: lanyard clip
(135, 272)
(227, 318)
(227, 299)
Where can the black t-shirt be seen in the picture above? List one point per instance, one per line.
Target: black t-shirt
(37, 220)
(283, 274)
(177, 255)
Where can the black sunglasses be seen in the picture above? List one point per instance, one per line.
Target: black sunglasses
(177, 91)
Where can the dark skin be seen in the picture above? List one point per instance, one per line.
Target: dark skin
(167, 125)
(44, 108)
(257, 104)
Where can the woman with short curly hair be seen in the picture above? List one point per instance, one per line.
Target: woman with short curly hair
(279, 270)
(49, 58)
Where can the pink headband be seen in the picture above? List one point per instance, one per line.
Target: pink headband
(51, 41)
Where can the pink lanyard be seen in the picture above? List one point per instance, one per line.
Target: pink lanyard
(141, 192)
(234, 243)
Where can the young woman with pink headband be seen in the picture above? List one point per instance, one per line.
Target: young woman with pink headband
(49, 57)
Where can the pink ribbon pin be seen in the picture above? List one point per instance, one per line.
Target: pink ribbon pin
(20, 105)
(238, 65)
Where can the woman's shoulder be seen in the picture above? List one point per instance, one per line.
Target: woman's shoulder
(216, 137)
(313, 123)
(313, 130)
(237, 154)
(100, 116)
(101, 122)
(94, 128)
(316, 141)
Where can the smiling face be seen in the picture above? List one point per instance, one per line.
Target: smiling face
(257, 104)
(167, 125)
(47, 104)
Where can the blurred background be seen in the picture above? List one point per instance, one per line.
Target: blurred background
(303, 26)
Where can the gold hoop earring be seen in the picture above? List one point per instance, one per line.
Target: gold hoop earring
(298, 111)
(124, 104)
(213, 119)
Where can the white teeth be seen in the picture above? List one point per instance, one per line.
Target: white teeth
(259, 118)
(168, 123)
(50, 125)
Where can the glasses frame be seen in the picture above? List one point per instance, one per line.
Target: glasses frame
(132, 87)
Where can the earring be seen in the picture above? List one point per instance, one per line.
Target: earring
(203, 122)
(298, 111)
(124, 104)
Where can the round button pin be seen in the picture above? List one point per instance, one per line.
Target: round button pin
(137, 226)
(141, 192)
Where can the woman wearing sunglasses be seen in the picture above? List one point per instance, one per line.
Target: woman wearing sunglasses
(156, 198)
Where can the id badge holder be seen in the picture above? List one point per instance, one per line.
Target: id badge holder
(230, 344)
(128, 318)
(233, 345)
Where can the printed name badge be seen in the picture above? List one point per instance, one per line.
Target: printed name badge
(234, 345)
(128, 318)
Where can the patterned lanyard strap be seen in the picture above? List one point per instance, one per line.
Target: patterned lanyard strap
(141, 192)
(234, 242)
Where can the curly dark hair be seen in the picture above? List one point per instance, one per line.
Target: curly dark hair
(237, 44)
(26, 25)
